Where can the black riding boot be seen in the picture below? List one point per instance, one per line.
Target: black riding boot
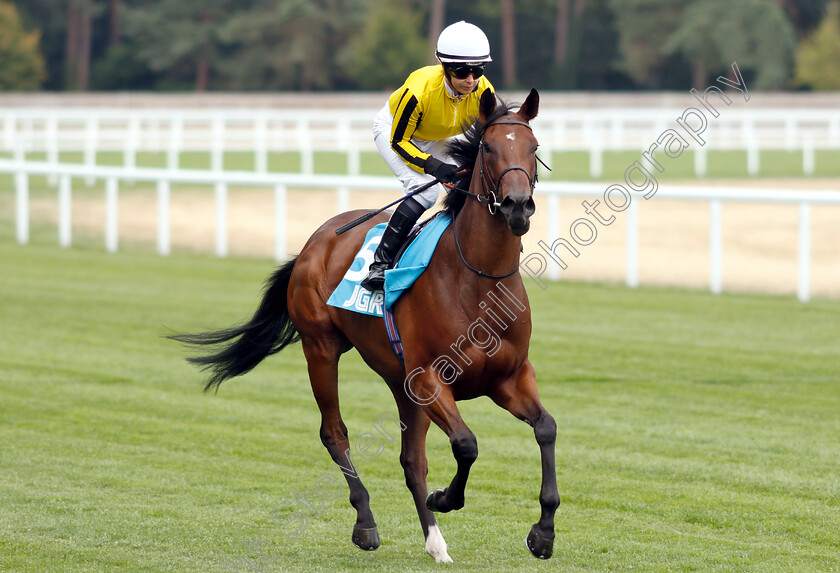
(395, 233)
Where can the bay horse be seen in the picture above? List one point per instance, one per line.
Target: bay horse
(478, 252)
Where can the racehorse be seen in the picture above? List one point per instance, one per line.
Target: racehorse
(487, 334)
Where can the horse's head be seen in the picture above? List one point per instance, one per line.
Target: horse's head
(508, 161)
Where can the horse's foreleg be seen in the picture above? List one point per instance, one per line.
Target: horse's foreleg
(445, 414)
(322, 359)
(520, 397)
(465, 451)
(540, 539)
(416, 468)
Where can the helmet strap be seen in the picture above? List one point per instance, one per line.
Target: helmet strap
(447, 77)
(453, 92)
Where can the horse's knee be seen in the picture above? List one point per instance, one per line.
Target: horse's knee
(465, 447)
(415, 471)
(545, 429)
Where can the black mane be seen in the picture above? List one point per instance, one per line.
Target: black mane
(464, 152)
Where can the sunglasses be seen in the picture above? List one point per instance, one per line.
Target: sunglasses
(461, 71)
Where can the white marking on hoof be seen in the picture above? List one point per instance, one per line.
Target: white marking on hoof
(436, 545)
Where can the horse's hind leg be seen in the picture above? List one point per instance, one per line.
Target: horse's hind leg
(322, 356)
(519, 396)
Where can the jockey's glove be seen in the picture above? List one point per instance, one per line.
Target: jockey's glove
(441, 171)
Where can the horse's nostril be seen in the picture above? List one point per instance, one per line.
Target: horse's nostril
(530, 207)
(524, 204)
(507, 204)
(517, 212)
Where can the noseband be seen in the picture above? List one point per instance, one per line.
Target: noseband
(490, 189)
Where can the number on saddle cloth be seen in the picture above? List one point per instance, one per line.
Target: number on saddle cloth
(412, 260)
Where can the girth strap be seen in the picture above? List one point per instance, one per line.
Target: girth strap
(393, 335)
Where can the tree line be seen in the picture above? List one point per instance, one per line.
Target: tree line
(318, 45)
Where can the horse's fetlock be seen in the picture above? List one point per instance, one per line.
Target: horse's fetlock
(550, 501)
(359, 499)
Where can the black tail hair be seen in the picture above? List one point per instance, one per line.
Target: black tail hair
(243, 347)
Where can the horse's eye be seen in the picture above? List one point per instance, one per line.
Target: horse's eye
(486, 147)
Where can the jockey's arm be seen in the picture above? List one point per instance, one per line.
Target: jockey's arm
(406, 118)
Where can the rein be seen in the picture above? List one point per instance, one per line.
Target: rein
(489, 196)
(472, 268)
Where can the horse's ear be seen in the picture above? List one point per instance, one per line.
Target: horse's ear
(531, 106)
(487, 104)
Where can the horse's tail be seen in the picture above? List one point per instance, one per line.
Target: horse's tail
(269, 331)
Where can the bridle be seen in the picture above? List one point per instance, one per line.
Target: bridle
(490, 189)
(488, 185)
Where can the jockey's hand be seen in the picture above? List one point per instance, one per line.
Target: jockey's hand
(441, 171)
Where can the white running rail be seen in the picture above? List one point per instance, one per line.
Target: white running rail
(280, 182)
(90, 131)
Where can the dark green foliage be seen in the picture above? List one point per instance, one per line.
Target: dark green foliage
(819, 54)
(755, 33)
(21, 63)
(372, 45)
(390, 47)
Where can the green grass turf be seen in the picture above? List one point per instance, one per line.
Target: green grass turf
(695, 432)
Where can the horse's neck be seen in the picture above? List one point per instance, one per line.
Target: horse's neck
(485, 239)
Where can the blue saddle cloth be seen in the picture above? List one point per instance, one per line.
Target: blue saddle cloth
(351, 296)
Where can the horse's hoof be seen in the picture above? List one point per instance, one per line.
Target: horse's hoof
(539, 546)
(434, 501)
(367, 539)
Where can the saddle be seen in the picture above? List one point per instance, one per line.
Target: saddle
(412, 235)
(412, 259)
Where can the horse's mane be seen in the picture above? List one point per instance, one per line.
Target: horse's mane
(464, 152)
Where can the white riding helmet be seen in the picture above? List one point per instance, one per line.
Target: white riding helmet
(462, 42)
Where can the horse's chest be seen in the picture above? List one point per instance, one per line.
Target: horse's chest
(478, 354)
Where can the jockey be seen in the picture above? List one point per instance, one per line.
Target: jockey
(412, 129)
